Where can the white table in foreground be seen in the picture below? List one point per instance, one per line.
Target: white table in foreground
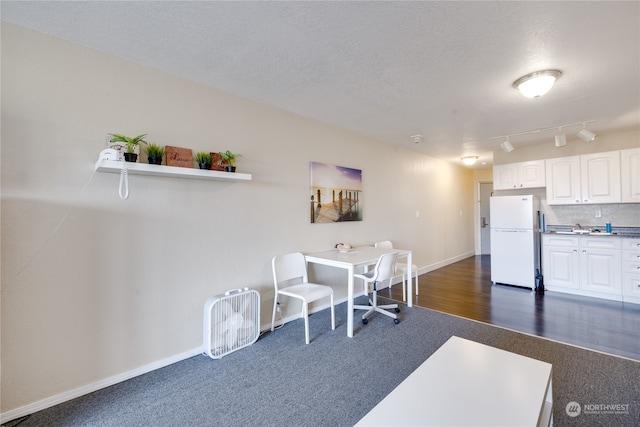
(360, 256)
(465, 383)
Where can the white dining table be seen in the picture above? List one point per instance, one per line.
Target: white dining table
(360, 256)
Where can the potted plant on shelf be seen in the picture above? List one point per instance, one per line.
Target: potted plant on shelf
(130, 145)
(231, 158)
(155, 153)
(203, 160)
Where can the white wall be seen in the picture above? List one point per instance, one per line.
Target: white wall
(94, 287)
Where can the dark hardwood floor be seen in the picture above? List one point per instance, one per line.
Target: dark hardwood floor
(465, 289)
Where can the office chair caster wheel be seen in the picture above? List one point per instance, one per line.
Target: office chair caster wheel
(396, 321)
(365, 321)
(397, 310)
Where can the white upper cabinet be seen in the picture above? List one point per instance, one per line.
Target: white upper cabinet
(563, 180)
(519, 175)
(630, 175)
(600, 177)
(591, 178)
(505, 176)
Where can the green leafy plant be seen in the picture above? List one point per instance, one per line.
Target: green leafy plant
(128, 141)
(154, 150)
(203, 158)
(230, 157)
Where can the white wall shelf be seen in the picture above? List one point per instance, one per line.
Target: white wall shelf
(114, 166)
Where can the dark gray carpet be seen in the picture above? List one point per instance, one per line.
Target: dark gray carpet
(335, 380)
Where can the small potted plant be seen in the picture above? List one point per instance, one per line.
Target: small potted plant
(203, 160)
(155, 153)
(130, 145)
(231, 158)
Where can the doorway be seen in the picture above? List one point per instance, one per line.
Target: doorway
(486, 190)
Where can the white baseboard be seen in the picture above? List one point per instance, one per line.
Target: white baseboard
(445, 262)
(95, 386)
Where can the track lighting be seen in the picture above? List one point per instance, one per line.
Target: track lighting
(506, 146)
(561, 138)
(586, 135)
(536, 84)
(469, 160)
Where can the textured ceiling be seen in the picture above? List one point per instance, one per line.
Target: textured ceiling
(387, 70)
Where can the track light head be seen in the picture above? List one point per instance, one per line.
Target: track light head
(586, 135)
(561, 140)
(506, 146)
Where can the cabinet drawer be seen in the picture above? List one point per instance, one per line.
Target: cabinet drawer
(631, 244)
(631, 256)
(564, 241)
(631, 266)
(600, 243)
(631, 287)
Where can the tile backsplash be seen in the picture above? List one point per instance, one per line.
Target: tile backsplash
(618, 214)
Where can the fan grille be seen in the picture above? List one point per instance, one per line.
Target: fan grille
(231, 322)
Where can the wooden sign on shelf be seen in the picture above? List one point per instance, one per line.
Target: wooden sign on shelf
(177, 156)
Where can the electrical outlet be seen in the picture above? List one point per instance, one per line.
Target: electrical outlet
(278, 307)
(598, 213)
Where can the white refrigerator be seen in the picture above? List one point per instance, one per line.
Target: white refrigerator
(515, 240)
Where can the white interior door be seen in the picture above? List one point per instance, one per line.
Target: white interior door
(486, 188)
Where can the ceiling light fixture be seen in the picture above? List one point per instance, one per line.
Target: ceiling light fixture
(506, 146)
(536, 84)
(561, 138)
(469, 160)
(586, 135)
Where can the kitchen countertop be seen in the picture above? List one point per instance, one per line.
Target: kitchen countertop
(566, 230)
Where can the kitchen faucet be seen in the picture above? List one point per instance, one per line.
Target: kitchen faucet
(578, 226)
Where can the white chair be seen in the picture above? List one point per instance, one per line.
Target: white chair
(401, 266)
(384, 270)
(293, 266)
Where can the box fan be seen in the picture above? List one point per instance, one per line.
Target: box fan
(231, 322)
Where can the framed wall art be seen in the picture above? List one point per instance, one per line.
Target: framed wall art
(336, 193)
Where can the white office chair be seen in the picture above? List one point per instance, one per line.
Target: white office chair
(293, 266)
(384, 270)
(401, 266)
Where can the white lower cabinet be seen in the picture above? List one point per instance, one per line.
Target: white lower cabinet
(631, 270)
(560, 262)
(590, 266)
(600, 269)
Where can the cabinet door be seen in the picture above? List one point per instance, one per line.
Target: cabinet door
(505, 177)
(563, 180)
(600, 177)
(630, 175)
(601, 270)
(531, 174)
(560, 261)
